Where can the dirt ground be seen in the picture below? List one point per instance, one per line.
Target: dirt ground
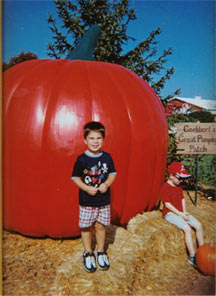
(147, 258)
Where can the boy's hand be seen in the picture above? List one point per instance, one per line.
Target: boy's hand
(185, 216)
(103, 187)
(91, 190)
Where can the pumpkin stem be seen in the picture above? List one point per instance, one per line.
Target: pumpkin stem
(86, 46)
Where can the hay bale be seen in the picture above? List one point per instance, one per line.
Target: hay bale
(147, 258)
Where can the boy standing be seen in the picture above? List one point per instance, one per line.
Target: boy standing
(93, 173)
(174, 210)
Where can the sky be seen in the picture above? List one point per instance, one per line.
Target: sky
(188, 27)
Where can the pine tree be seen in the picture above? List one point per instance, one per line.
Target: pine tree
(22, 57)
(113, 18)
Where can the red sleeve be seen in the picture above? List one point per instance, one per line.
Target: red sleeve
(165, 193)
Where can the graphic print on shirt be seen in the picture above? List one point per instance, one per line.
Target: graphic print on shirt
(95, 175)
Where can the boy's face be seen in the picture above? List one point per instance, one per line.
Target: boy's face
(94, 141)
(175, 179)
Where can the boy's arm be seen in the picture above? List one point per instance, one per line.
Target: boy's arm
(104, 186)
(175, 211)
(110, 179)
(184, 205)
(184, 209)
(89, 189)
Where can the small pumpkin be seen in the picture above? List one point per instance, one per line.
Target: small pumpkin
(206, 258)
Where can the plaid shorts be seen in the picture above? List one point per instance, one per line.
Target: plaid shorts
(89, 215)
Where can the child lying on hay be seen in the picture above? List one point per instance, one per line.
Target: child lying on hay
(174, 209)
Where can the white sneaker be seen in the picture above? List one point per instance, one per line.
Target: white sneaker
(89, 263)
(102, 260)
(192, 261)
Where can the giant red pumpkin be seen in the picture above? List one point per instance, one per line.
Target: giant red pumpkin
(45, 105)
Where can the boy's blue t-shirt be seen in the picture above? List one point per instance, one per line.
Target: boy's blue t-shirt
(93, 170)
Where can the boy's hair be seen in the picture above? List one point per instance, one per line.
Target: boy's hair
(94, 126)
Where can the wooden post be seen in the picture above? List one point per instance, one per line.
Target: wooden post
(196, 177)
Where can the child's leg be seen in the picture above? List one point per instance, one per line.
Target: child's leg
(188, 239)
(102, 259)
(88, 257)
(86, 224)
(199, 230)
(86, 234)
(199, 235)
(183, 225)
(103, 220)
(100, 233)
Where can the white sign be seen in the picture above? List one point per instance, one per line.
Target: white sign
(196, 138)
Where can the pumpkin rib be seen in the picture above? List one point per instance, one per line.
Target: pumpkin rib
(123, 74)
(130, 79)
(118, 90)
(52, 100)
(13, 103)
(100, 73)
(129, 158)
(159, 140)
(73, 200)
(154, 105)
(50, 96)
(12, 92)
(44, 233)
(88, 75)
(160, 159)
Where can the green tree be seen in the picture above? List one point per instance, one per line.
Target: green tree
(113, 17)
(22, 57)
(202, 116)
